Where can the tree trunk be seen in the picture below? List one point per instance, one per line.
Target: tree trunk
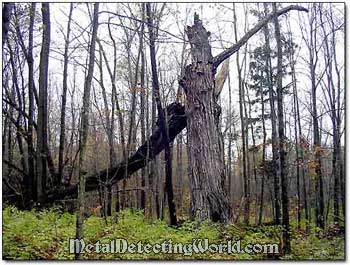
(334, 108)
(141, 195)
(263, 157)
(274, 136)
(64, 100)
(31, 152)
(19, 121)
(209, 199)
(109, 131)
(296, 117)
(229, 151)
(297, 144)
(162, 120)
(115, 105)
(302, 158)
(319, 209)
(253, 154)
(153, 174)
(179, 173)
(84, 128)
(142, 110)
(243, 134)
(30, 184)
(284, 180)
(42, 148)
(133, 87)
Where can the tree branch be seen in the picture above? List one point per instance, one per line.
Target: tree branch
(153, 146)
(234, 48)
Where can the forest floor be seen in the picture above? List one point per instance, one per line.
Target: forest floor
(45, 235)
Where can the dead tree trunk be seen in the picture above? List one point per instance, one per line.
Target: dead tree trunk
(209, 199)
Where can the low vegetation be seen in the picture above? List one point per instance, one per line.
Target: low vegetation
(45, 234)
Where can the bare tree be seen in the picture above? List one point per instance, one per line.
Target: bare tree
(84, 128)
(246, 178)
(161, 114)
(64, 100)
(42, 149)
(282, 139)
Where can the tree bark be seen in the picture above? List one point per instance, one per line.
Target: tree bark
(209, 199)
(42, 148)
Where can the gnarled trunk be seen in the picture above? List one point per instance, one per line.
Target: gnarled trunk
(209, 199)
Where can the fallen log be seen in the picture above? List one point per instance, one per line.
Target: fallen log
(176, 122)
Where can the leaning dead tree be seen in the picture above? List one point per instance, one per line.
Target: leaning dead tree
(155, 143)
(200, 115)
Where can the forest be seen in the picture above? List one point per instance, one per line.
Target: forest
(173, 122)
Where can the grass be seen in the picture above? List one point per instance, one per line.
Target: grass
(45, 235)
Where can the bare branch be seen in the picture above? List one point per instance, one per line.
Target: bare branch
(234, 48)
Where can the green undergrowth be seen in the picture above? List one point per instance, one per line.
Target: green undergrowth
(45, 235)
